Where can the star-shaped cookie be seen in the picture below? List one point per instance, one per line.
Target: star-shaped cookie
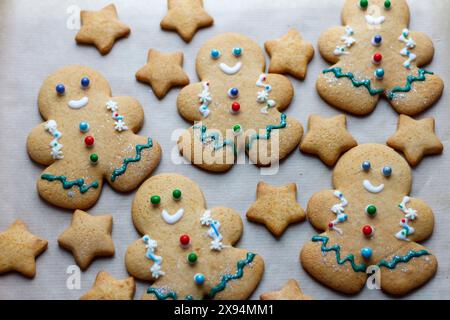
(19, 249)
(101, 28)
(327, 138)
(107, 287)
(88, 237)
(290, 291)
(290, 54)
(416, 139)
(163, 71)
(276, 207)
(186, 17)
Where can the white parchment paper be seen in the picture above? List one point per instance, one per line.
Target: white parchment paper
(36, 38)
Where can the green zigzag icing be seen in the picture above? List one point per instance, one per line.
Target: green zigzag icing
(216, 289)
(368, 85)
(362, 267)
(120, 171)
(215, 137)
(268, 133)
(70, 184)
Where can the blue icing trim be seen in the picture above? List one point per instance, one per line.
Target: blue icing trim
(120, 171)
(362, 267)
(204, 137)
(268, 133)
(241, 264)
(409, 81)
(80, 183)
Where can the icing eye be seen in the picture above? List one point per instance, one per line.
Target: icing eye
(60, 89)
(387, 4)
(155, 200)
(237, 52)
(176, 194)
(365, 166)
(364, 4)
(215, 54)
(85, 82)
(387, 171)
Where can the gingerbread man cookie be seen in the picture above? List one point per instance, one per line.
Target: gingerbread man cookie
(370, 225)
(187, 250)
(88, 136)
(236, 106)
(376, 55)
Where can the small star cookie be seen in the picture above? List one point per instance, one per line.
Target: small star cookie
(276, 207)
(163, 71)
(186, 17)
(290, 291)
(101, 28)
(416, 139)
(290, 54)
(107, 287)
(19, 249)
(88, 237)
(328, 138)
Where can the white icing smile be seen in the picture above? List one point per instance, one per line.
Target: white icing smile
(230, 70)
(172, 218)
(78, 104)
(371, 188)
(375, 21)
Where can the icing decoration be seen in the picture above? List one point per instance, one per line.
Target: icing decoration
(366, 253)
(348, 42)
(164, 294)
(52, 127)
(368, 230)
(185, 240)
(409, 42)
(84, 126)
(155, 200)
(263, 96)
(199, 279)
(172, 218)
(93, 158)
(237, 52)
(230, 70)
(387, 171)
(409, 81)
(233, 93)
(411, 57)
(338, 209)
(375, 21)
(365, 83)
(215, 54)
(235, 107)
(78, 104)
(213, 232)
(362, 267)
(192, 257)
(151, 246)
(119, 124)
(371, 188)
(80, 183)
(60, 89)
(410, 215)
(213, 137)
(268, 133)
(89, 141)
(176, 194)
(405, 52)
(365, 166)
(205, 100)
(85, 82)
(376, 40)
(120, 171)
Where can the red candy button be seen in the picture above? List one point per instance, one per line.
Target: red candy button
(367, 230)
(184, 240)
(377, 57)
(235, 107)
(89, 140)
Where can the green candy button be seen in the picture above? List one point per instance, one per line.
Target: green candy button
(94, 158)
(371, 210)
(192, 257)
(155, 200)
(364, 3)
(176, 194)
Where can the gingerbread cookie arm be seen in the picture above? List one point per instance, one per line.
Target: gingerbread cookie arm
(188, 102)
(423, 224)
(319, 210)
(132, 111)
(231, 224)
(70, 185)
(282, 90)
(137, 165)
(136, 262)
(328, 41)
(424, 49)
(38, 146)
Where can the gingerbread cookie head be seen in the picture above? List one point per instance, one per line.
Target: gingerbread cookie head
(238, 105)
(187, 251)
(370, 223)
(88, 136)
(375, 55)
